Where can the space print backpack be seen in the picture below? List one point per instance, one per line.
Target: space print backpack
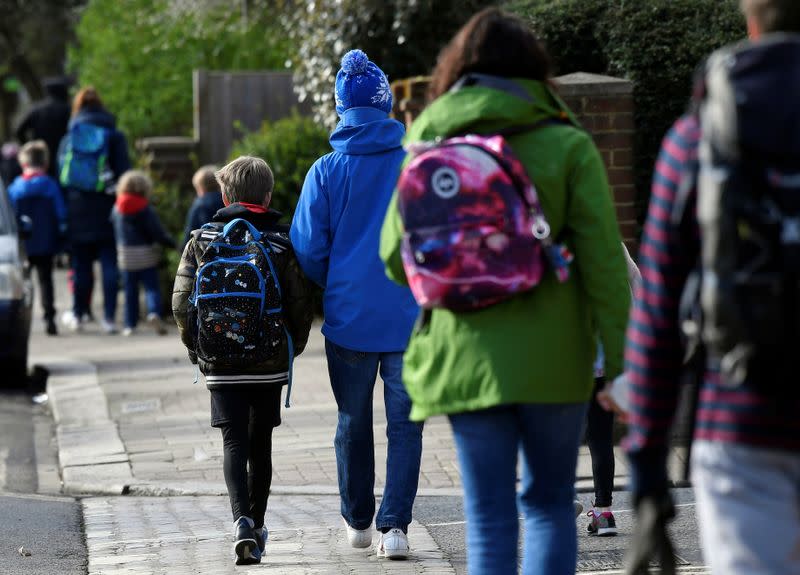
(236, 304)
(475, 233)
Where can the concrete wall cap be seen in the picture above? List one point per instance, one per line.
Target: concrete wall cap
(585, 84)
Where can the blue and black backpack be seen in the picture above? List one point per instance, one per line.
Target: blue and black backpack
(235, 308)
(84, 163)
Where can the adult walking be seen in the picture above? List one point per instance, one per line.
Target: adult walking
(92, 157)
(368, 319)
(515, 377)
(48, 119)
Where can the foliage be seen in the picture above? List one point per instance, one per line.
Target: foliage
(402, 36)
(290, 146)
(657, 44)
(140, 54)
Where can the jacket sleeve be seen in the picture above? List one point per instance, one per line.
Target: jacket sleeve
(118, 160)
(156, 231)
(298, 304)
(311, 227)
(599, 259)
(24, 127)
(181, 291)
(391, 240)
(60, 205)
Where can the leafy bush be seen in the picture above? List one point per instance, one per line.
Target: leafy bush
(140, 54)
(657, 44)
(290, 146)
(402, 36)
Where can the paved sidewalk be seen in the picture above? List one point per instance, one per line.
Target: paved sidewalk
(184, 535)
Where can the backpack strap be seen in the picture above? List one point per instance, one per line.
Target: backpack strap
(230, 225)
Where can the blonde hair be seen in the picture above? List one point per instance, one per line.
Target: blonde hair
(135, 182)
(773, 15)
(34, 155)
(246, 179)
(205, 179)
(87, 96)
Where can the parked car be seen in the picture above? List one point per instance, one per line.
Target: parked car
(16, 296)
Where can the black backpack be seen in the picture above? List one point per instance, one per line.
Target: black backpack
(235, 307)
(744, 302)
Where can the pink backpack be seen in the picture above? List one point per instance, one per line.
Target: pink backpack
(475, 233)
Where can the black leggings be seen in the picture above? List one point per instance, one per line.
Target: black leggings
(44, 269)
(246, 419)
(600, 439)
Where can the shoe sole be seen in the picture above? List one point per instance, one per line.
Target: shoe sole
(394, 555)
(360, 544)
(246, 551)
(157, 326)
(607, 532)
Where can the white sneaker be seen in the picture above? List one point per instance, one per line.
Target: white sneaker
(155, 322)
(71, 322)
(108, 327)
(358, 538)
(393, 544)
(128, 331)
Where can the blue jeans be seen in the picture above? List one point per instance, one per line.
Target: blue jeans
(353, 375)
(488, 443)
(152, 293)
(83, 257)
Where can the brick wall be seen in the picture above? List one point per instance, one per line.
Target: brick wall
(602, 104)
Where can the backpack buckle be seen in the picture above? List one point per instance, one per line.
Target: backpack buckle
(540, 228)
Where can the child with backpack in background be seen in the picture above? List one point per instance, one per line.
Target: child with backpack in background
(37, 195)
(137, 231)
(244, 311)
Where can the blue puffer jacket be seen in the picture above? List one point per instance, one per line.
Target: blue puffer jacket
(336, 231)
(89, 211)
(39, 198)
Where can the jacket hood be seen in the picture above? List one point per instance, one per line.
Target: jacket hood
(269, 218)
(129, 204)
(96, 116)
(363, 131)
(483, 109)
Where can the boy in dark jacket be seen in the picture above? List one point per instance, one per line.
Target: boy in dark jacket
(245, 401)
(137, 231)
(207, 203)
(37, 195)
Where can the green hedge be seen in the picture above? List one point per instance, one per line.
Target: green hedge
(290, 146)
(657, 44)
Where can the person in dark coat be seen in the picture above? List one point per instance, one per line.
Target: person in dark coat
(93, 155)
(207, 203)
(48, 119)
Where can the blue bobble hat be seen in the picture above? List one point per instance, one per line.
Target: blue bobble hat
(361, 84)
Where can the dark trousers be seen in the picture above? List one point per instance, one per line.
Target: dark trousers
(246, 418)
(600, 439)
(44, 272)
(83, 257)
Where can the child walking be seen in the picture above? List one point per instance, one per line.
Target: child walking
(36, 195)
(600, 438)
(138, 231)
(244, 310)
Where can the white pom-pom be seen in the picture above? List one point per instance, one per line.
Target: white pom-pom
(355, 62)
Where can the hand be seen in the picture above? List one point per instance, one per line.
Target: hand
(650, 538)
(606, 401)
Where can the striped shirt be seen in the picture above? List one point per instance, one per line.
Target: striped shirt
(654, 352)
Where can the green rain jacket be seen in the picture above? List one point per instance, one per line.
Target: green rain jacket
(537, 347)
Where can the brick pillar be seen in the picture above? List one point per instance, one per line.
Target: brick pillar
(604, 106)
(170, 159)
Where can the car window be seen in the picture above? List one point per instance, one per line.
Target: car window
(8, 222)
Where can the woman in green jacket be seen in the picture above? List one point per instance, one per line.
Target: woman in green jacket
(516, 376)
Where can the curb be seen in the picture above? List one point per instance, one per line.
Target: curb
(91, 456)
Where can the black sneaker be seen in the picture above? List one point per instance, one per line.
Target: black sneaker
(602, 525)
(245, 545)
(51, 327)
(261, 538)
